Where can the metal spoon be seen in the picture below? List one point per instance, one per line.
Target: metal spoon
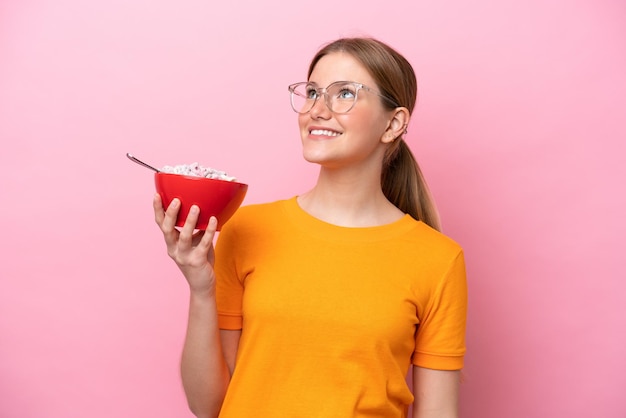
(134, 159)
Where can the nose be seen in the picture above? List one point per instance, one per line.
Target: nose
(320, 108)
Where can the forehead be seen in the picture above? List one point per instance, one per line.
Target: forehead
(340, 66)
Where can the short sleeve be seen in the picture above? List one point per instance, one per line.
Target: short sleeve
(440, 337)
(229, 286)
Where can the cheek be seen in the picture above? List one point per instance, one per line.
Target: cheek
(365, 125)
(302, 121)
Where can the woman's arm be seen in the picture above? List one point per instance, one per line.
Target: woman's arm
(205, 372)
(436, 393)
(208, 355)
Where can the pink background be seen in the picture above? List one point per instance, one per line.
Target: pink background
(520, 130)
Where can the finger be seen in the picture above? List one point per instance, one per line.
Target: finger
(197, 236)
(207, 239)
(186, 233)
(157, 205)
(169, 221)
(170, 233)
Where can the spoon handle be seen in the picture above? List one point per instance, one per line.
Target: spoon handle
(138, 161)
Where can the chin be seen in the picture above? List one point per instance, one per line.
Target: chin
(314, 157)
(323, 160)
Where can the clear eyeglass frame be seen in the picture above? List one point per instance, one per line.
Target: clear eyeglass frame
(302, 103)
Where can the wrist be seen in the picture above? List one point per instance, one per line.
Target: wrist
(201, 282)
(202, 293)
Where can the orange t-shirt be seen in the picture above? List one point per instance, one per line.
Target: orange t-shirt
(332, 317)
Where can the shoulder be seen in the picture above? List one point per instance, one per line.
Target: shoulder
(432, 241)
(253, 211)
(251, 217)
(260, 208)
(428, 254)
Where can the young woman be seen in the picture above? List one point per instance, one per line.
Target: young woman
(317, 306)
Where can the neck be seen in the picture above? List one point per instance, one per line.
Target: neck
(349, 198)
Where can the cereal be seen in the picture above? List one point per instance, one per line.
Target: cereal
(196, 170)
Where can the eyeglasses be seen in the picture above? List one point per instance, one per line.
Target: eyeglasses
(339, 96)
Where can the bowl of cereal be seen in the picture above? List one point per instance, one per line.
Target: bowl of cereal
(213, 191)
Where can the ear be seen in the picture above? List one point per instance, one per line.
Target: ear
(397, 124)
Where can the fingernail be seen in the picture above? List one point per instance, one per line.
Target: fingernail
(194, 210)
(175, 203)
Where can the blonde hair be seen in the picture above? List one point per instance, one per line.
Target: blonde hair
(402, 180)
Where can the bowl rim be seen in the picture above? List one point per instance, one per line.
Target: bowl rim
(161, 173)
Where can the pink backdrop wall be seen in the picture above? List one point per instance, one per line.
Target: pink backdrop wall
(519, 129)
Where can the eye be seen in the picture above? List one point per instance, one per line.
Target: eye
(344, 92)
(311, 92)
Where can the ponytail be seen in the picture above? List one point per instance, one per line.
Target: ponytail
(404, 185)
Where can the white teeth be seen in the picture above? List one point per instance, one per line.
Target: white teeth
(324, 132)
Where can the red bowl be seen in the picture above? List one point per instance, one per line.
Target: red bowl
(219, 198)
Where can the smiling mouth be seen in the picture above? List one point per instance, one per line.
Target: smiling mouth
(323, 132)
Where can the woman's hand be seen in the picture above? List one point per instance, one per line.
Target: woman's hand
(192, 251)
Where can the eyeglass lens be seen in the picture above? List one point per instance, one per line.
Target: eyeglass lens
(340, 97)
